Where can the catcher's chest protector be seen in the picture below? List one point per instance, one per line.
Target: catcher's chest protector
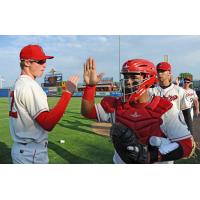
(144, 120)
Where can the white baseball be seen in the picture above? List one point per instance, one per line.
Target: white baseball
(62, 141)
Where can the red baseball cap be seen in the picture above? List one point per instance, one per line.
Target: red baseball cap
(163, 66)
(34, 52)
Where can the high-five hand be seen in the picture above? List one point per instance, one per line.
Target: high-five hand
(71, 84)
(90, 75)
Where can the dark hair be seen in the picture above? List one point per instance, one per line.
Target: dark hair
(188, 78)
(22, 64)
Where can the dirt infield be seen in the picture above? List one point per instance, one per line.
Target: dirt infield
(104, 129)
(101, 128)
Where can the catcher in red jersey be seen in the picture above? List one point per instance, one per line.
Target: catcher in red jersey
(30, 117)
(144, 129)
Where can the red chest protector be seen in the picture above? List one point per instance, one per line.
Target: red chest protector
(144, 120)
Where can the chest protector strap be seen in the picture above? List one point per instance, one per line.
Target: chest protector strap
(159, 106)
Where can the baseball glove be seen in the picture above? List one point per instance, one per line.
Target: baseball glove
(127, 145)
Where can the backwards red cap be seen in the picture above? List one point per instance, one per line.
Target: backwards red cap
(163, 66)
(34, 52)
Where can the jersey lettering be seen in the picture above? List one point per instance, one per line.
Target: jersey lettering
(11, 113)
(171, 98)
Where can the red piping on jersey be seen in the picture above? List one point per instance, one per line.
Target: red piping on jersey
(48, 119)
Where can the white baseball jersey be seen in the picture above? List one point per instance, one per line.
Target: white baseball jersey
(29, 101)
(173, 126)
(191, 95)
(173, 93)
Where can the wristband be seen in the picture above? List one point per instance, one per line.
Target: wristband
(89, 93)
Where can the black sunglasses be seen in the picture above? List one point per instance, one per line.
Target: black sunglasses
(40, 62)
(186, 81)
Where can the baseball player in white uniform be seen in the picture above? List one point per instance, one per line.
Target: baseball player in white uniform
(191, 97)
(144, 129)
(30, 117)
(172, 92)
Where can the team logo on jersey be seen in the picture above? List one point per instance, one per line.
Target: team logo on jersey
(189, 97)
(171, 98)
(135, 115)
(189, 94)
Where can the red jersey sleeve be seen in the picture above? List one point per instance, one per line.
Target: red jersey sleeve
(48, 119)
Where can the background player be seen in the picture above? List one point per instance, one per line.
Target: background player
(172, 92)
(191, 97)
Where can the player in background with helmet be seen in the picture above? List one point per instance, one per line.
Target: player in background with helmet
(191, 97)
(172, 92)
(144, 129)
(30, 117)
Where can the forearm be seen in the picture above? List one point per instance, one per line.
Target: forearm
(178, 150)
(48, 120)
(196, 104)
(88, 105)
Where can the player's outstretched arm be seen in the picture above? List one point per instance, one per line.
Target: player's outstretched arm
(48, 119)
(91, 78)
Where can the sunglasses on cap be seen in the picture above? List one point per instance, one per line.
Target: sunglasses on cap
(187, 82)
(40, 62)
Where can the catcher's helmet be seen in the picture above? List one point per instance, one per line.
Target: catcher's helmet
(134, 67)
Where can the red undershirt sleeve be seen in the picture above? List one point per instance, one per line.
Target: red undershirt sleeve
(88, 95)
(92, 114)
(48, 119)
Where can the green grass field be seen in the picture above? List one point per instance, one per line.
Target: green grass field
(81, 145)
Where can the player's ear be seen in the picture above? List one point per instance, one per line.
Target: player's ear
(27, 63)
(170, 74)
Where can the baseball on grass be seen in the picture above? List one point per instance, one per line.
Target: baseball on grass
(62, 141)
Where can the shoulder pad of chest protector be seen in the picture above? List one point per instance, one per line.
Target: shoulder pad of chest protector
(159, 105)
(109, 104)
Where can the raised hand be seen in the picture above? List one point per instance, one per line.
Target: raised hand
(71, 84)
(90, 75)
